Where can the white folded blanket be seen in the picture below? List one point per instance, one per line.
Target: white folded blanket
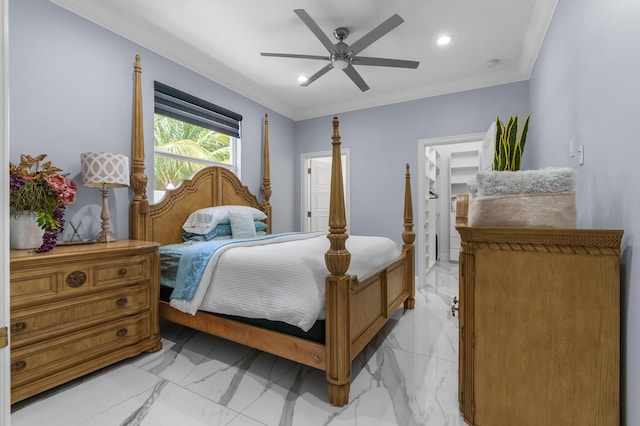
(523, 181)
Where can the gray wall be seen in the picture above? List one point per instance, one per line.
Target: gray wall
(71, 85)
(383, 139)
(586, 85)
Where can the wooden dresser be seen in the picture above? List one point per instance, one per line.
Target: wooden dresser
(79, 308)
(539, 326)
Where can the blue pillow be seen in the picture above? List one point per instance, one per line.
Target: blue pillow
(260, 226)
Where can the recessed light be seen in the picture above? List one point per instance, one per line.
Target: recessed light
(444, 39)
(302, 78)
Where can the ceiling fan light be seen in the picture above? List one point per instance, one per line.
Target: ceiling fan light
(302, 78)
(340, 63)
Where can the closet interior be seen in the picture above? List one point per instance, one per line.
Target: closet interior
(448, 168)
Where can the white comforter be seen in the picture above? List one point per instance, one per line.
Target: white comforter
(280, 279)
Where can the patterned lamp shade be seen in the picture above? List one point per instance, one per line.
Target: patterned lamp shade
(103, 168)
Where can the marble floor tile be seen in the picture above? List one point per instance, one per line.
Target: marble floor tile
(406, 376)
(122, 395)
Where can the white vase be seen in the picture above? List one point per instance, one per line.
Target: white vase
(24, 232)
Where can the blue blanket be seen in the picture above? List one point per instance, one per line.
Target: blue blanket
(194, 258)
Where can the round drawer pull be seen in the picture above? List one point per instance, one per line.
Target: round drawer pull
(76, 279)
(18, 327)
(121, 302)
(121, 332)
(122, 271)
(18, 366)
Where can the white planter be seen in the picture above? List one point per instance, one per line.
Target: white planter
(24, 232)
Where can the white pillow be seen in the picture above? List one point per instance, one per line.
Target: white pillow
(203, 221)
(242, 225)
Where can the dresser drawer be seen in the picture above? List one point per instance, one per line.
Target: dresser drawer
(48, 357)
(36, 283)
(45, 284)
(29, 325)
(122, 271)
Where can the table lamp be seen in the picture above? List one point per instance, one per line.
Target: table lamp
(105, 170)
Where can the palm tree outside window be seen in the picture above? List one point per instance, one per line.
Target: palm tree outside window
(188, 135)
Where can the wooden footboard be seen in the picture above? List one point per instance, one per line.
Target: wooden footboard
(356, 308)
(369, 303)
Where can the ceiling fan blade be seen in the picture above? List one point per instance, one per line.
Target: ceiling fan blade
(385, 62)
(375, 34)
(315, 29)
(356, 78)
(291, 55)
(317, 75)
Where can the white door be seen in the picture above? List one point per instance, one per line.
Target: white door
(316, 189)
(5, 387)
(320, 193)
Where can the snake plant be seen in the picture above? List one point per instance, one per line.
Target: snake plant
(508, 148)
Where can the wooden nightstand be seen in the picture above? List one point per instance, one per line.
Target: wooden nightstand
(79, 308)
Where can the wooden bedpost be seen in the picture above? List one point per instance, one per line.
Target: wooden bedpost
(338, 286)
(140, 205)
(266, 174)
(408, 237)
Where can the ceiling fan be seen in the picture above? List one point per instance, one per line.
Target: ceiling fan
(343, 56)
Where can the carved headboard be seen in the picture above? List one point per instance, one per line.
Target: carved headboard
(211, 186)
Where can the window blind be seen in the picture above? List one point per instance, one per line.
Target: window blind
(183, 106)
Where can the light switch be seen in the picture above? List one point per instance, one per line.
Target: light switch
(581, 155)
(572, 148)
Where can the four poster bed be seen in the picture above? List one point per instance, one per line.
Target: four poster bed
(355, 307)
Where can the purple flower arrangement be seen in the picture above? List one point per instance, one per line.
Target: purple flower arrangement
(38, 186)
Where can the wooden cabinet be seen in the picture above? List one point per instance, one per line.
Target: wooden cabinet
(539, 326)
(79, 308)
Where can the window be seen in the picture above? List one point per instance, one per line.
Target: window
(189, 134)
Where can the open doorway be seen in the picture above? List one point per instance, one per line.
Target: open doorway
(316, 189)
(457, 159)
